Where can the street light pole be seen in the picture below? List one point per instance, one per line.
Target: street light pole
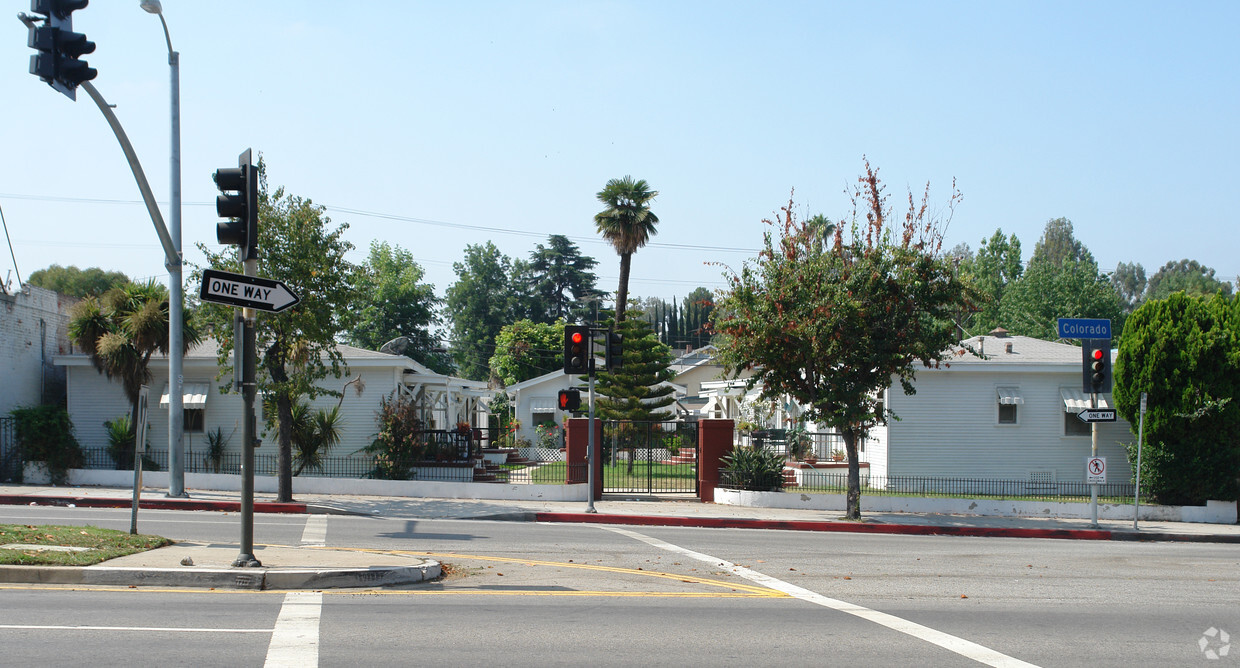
(176, 297)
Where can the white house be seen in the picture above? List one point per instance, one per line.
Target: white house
(1011, 415)
(33, 330)
(209, 403)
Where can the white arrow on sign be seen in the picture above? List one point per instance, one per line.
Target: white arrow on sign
(263, 294)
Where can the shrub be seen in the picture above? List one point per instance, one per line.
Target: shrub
(753, 468)
(400, 441)
(45, 434)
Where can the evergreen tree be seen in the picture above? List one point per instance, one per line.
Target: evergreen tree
(636, 391)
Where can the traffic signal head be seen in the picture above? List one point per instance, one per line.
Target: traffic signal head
(577, 349)
(59, 49)
(615, 350)
(570, 400)
(1096, 365)
(238, 202)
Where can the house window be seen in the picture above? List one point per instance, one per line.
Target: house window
(541, 418)
(1073, 426)
(195, 420)
(1007, 414)
(1009, 400)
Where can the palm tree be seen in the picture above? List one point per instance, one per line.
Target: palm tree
(627, 223)
(121, 329)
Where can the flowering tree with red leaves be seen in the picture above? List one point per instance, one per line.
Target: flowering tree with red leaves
(832, 324)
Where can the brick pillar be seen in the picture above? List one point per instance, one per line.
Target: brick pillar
(714, 442)
(576, 442)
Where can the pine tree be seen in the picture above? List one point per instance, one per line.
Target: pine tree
(635, 391)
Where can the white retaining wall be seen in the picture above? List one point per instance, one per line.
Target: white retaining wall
(1214, 512)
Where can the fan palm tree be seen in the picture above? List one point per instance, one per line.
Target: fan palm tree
(122, 329)
(627, 223)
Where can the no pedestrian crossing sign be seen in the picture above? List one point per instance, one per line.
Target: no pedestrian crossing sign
(1096, 470)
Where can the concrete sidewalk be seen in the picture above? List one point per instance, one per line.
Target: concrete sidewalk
(294, 567)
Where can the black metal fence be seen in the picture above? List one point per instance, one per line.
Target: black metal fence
(649, 457)
(10, 454)
(835, 481)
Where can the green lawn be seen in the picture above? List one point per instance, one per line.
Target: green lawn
(661, 476)
(101, 544)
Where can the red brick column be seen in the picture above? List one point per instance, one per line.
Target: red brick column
(714, 442)
(576, 443)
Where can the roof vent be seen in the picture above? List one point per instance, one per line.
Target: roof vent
(1008, 347)
(999, 333)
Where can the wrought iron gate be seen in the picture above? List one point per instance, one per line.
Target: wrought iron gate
(10, 454)
(649, 457)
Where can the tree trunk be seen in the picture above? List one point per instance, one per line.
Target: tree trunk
(854, 475)
(622, 293)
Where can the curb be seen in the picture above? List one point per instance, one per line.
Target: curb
(152, 504)
(224, 578)
(851, 527)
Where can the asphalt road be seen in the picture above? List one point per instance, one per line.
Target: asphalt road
(555, 594)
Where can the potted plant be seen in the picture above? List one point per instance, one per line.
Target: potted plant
(837, 455)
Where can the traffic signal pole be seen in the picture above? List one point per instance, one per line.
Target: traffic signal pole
(249, 389)
(1093, 452)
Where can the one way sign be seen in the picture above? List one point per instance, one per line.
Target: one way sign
(263, 294)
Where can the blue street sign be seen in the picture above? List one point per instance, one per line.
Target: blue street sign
(1084, 328)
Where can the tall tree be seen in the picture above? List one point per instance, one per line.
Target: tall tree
(396, 302)
(1129, 281)
(525, 350)
(1062, 281)
(122, 329)
(832, 327)
(627, 224)
(74, 282)
(1187, 276)
(296, 347)
(480, 304)
(1184, 352)
(563, 279)
(996, 266)
(701, 305)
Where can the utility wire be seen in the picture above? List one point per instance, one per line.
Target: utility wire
(11, 254)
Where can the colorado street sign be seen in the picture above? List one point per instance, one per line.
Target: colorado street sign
(1097, 415)
(263, 294)
(1084, 328)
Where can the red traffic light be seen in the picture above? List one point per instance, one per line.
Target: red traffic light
(1097, 353)
(577, 337)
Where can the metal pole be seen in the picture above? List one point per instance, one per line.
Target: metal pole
(591, 446)
(1136, 495)
(248, 435)
(1093, 488)
(176, 297)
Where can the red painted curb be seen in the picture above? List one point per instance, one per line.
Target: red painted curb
(152, 504)
(805, 525)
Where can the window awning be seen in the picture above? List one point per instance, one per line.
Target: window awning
(1075, 401)
(193, 395)
(542, 405)
(1009, 395)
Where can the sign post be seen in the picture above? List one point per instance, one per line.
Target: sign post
(1136, 494)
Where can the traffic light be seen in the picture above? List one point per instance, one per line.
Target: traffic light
(1096, 365)
(239, 203)
(58, 61)
(615, 350)
(577, 349)
(570, 400)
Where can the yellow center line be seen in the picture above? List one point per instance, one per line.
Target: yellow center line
(692, 579)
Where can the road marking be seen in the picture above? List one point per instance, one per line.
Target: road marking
(156, 629)
(295, 640)
(949, 642)
(315, 534)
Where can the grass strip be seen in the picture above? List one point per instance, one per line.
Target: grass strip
(102, 544)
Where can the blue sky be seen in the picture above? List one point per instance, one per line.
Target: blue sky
(436, 125)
